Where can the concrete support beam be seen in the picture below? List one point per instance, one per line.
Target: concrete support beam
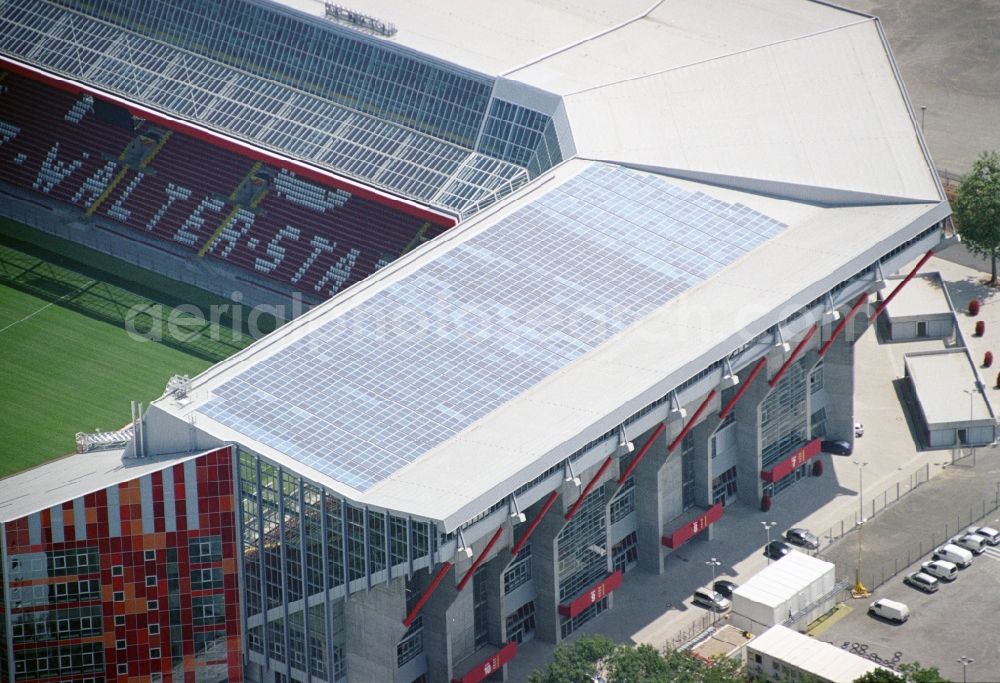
(376, 627)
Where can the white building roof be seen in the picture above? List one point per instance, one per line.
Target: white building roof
(943, 381)
(783, 579)
(922, 297)
(828, 662)
(73, 476)
(517, 439)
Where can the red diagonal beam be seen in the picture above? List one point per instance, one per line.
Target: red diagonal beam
(895, 291)
(792, 356)
(588, 488)
(690, 423)
(427, 594)
(728, 408)
(479, 560)
(861, 301)
(642, 453)
(535, 522)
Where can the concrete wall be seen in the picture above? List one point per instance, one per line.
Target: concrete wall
(375, 627)
(838, 384)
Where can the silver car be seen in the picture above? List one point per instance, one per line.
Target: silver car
(921, 581)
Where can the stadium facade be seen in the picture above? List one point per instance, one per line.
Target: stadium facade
(670, 222)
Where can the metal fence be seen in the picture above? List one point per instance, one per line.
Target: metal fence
(877, 503)
(697, 628)
(876, 574)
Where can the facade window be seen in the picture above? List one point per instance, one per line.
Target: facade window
(205, 549)
(623, 504)
(480, 608)
(724, 486)
(818, 423)
(118, 596)
(150, 581)
(521, 624)
(582, 548)
(73, 562)
(154, 653)
(688, 488)
(122, 669)
(120, 644)
(205, 579)
(150, 555)
(783, 417)
(567, 625)
(412, 642)
(625, 553)
(519, 571)
(119, 620)
(208, 609)
(153, 629)
(152, 605)
(816, 378)
(117, 570)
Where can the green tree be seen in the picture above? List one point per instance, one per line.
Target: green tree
(908, 673)
(977, 209)
(574, 662)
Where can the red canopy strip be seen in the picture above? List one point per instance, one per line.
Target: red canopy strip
(728, 408)
(690, 423)
(794, 354)
(482, 556)
(427, 594)
(920, 264)
(535, 522)
(861, 301)
(642, 453)
(587, 489)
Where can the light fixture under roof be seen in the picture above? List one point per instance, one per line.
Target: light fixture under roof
(355, 19)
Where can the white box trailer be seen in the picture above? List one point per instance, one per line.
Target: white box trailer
(797, 585)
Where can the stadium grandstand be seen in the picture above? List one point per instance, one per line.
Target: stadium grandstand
(611, 263)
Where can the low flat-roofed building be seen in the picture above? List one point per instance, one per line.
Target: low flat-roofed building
(952, 407)
(796, 589)
(782, 654)
(921, 310)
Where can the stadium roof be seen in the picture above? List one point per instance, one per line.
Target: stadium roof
(430, 387)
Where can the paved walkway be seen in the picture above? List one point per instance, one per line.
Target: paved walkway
(656, 609)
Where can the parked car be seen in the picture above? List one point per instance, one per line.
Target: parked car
(991, 535)
(724, 587)
(859, 429)
(940, 569)
(921, 581)
(776, 550)
(950, 552)
(837, 447)
(710, 599)
(890, 609)
(803, 538)
(973, 542)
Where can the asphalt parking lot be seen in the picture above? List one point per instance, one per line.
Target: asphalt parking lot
(960, 620)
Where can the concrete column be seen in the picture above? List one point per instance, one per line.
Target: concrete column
(374, 627)
(747, 413)
(648, 506)
(545, 565)
(702, 436)
(838, 382)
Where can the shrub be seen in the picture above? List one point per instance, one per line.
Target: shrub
(765, 503)
(974, 307)
(988, 359)
(998, 380)
(818, 467)
(980, 328)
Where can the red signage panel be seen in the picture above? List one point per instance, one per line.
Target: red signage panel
(695, 526)
(594, 594)
(484, 669)
(792, 462)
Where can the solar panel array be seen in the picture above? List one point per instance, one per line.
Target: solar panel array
(369, 391)
(266, 113)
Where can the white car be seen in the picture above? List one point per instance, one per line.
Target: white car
(859, 429)
(940, 569)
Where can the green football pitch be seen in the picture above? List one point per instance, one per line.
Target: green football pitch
(82, 334)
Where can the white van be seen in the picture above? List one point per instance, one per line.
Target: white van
(890, 609)
(950, 552)
(973, 542)
(945, 571)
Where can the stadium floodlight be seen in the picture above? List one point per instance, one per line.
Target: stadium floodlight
(729, 377)
(570, 476)
(463, 547)
(878, 281)
(675, 406)
(515, 513)
(831, 314)
(623, 441)
(779, 339)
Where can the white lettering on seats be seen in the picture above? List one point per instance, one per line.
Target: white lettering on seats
(96, 184)
(275, 251)
(231, 234)
(173, 194)
(53, 171)
(319, 245)
(117, 210)
(195, 222)
(339, 272)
